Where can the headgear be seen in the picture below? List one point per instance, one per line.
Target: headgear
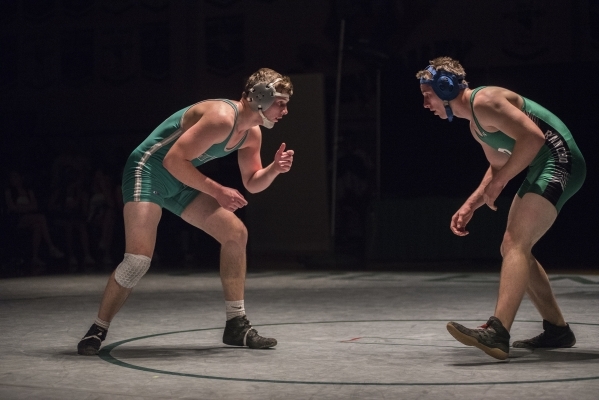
(261, 96)
(446, 85)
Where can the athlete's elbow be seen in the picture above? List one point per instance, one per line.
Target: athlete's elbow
(167, 162)
(252, 189)
(538, 142)
(170, 163)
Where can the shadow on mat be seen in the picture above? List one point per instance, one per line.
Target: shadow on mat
(173, 352)
(523, 356)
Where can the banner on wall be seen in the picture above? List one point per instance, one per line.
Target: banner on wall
(40, 59)
(155, 51)
(513, 32)
(594, 26)
(299, 197)
(116, 54)
(155, 5)
(117, 6)
(38, 10)
(222, 3)
(225, 46)
(9, 71)
(76, 8)
(8, 10)
(77, 56)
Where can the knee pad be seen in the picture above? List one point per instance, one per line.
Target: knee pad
(131, 269)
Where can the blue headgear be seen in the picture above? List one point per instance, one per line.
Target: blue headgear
(446, 85)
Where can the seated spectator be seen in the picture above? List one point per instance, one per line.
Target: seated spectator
(22, 209)
(69, 206)
(102, 213)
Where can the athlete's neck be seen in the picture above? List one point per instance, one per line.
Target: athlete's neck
(248, 118)
(460, 106)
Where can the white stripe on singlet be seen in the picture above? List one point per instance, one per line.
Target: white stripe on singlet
(144, 159)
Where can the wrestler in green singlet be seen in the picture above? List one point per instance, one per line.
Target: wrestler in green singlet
(558, 171)
(144, 178)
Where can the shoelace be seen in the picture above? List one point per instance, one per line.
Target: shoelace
(536, 338)
(92, 337)
(248, 325)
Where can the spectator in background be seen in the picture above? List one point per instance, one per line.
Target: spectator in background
(24, 213)
(69, 204)
(101, 213)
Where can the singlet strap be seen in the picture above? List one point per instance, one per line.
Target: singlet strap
(234, 106)
(480, 128)
(229, 102)
(234, 126)
(474, 92)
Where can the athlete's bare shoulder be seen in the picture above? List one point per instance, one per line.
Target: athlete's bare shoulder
(495, 96)
(218, 111)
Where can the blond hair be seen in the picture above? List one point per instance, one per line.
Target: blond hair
(445, 64)
(267, 75)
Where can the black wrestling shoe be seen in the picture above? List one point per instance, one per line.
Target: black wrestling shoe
(553, 336)
(492, 337)
(239, 332)
(90, 344)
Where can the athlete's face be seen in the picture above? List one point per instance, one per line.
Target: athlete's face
(432, 101)
(277, 110)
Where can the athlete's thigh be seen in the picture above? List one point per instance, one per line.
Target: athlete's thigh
(141, 225)
(205, 213)
(529, 218)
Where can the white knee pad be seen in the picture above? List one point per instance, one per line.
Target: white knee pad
(131, 269)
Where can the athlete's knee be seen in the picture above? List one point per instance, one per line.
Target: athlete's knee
(131, 269)
(236, 232)
(513, 243)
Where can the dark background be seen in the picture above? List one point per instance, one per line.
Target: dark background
(95, 77)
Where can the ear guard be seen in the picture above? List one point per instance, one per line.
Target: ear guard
(446, 85)
(261, 96)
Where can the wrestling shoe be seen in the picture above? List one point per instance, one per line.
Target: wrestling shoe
(492, 337)
(239, 332)
(90, 344)
(553, 336)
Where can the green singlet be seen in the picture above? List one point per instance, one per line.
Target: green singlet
(558, 170)
(146, 179)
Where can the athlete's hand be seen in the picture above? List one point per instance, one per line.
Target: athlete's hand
(491, 193)
(283, 159)
(230, 199)
(460, 219)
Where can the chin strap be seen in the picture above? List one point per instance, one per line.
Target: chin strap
(268, 124)
(448, 111)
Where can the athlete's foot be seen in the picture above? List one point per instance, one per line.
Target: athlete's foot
(553, 336)
(492, 337)
(239, 332)
(91, 342)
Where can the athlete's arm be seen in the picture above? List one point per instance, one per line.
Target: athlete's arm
(213, 127)
(496, 161)
(255, 178)
(499, 113)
